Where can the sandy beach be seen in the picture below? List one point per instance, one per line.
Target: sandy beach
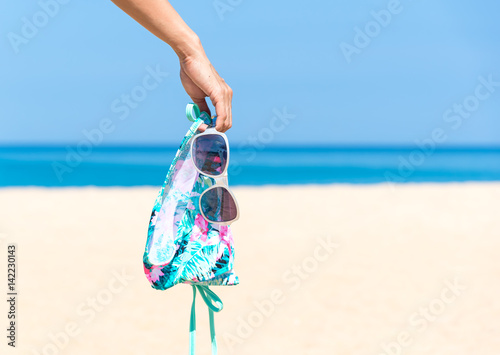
(334, 269)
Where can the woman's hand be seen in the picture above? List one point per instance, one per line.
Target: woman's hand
(198, 76)
(201, 80)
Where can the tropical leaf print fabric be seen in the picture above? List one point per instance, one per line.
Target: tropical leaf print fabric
(182, 247)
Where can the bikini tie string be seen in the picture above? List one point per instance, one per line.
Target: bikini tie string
(214, 304)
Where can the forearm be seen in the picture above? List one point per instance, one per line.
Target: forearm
(161, 19)
(199, 78)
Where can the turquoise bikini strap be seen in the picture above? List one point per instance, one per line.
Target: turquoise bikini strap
(212, 301)
(214, 304)
(193, 113)
(192, 325)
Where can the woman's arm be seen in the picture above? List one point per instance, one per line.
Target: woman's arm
(198, 76)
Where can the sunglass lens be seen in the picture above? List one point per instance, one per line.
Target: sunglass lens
(218, 205)
(210, 154)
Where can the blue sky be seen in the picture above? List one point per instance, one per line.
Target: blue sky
(403, 76)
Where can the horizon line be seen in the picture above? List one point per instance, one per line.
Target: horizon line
(236, 146)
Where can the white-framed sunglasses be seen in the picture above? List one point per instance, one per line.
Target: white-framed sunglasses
(210, 155)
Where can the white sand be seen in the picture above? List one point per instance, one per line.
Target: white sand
(387, 275)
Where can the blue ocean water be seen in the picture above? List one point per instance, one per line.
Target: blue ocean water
(136, 166)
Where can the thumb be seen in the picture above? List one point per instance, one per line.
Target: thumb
(202, 127)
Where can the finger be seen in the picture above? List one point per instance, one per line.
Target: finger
(226, 123)
(229, 120)
(220, 124)
(202, 104)
(202, 127)
(221, 112)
